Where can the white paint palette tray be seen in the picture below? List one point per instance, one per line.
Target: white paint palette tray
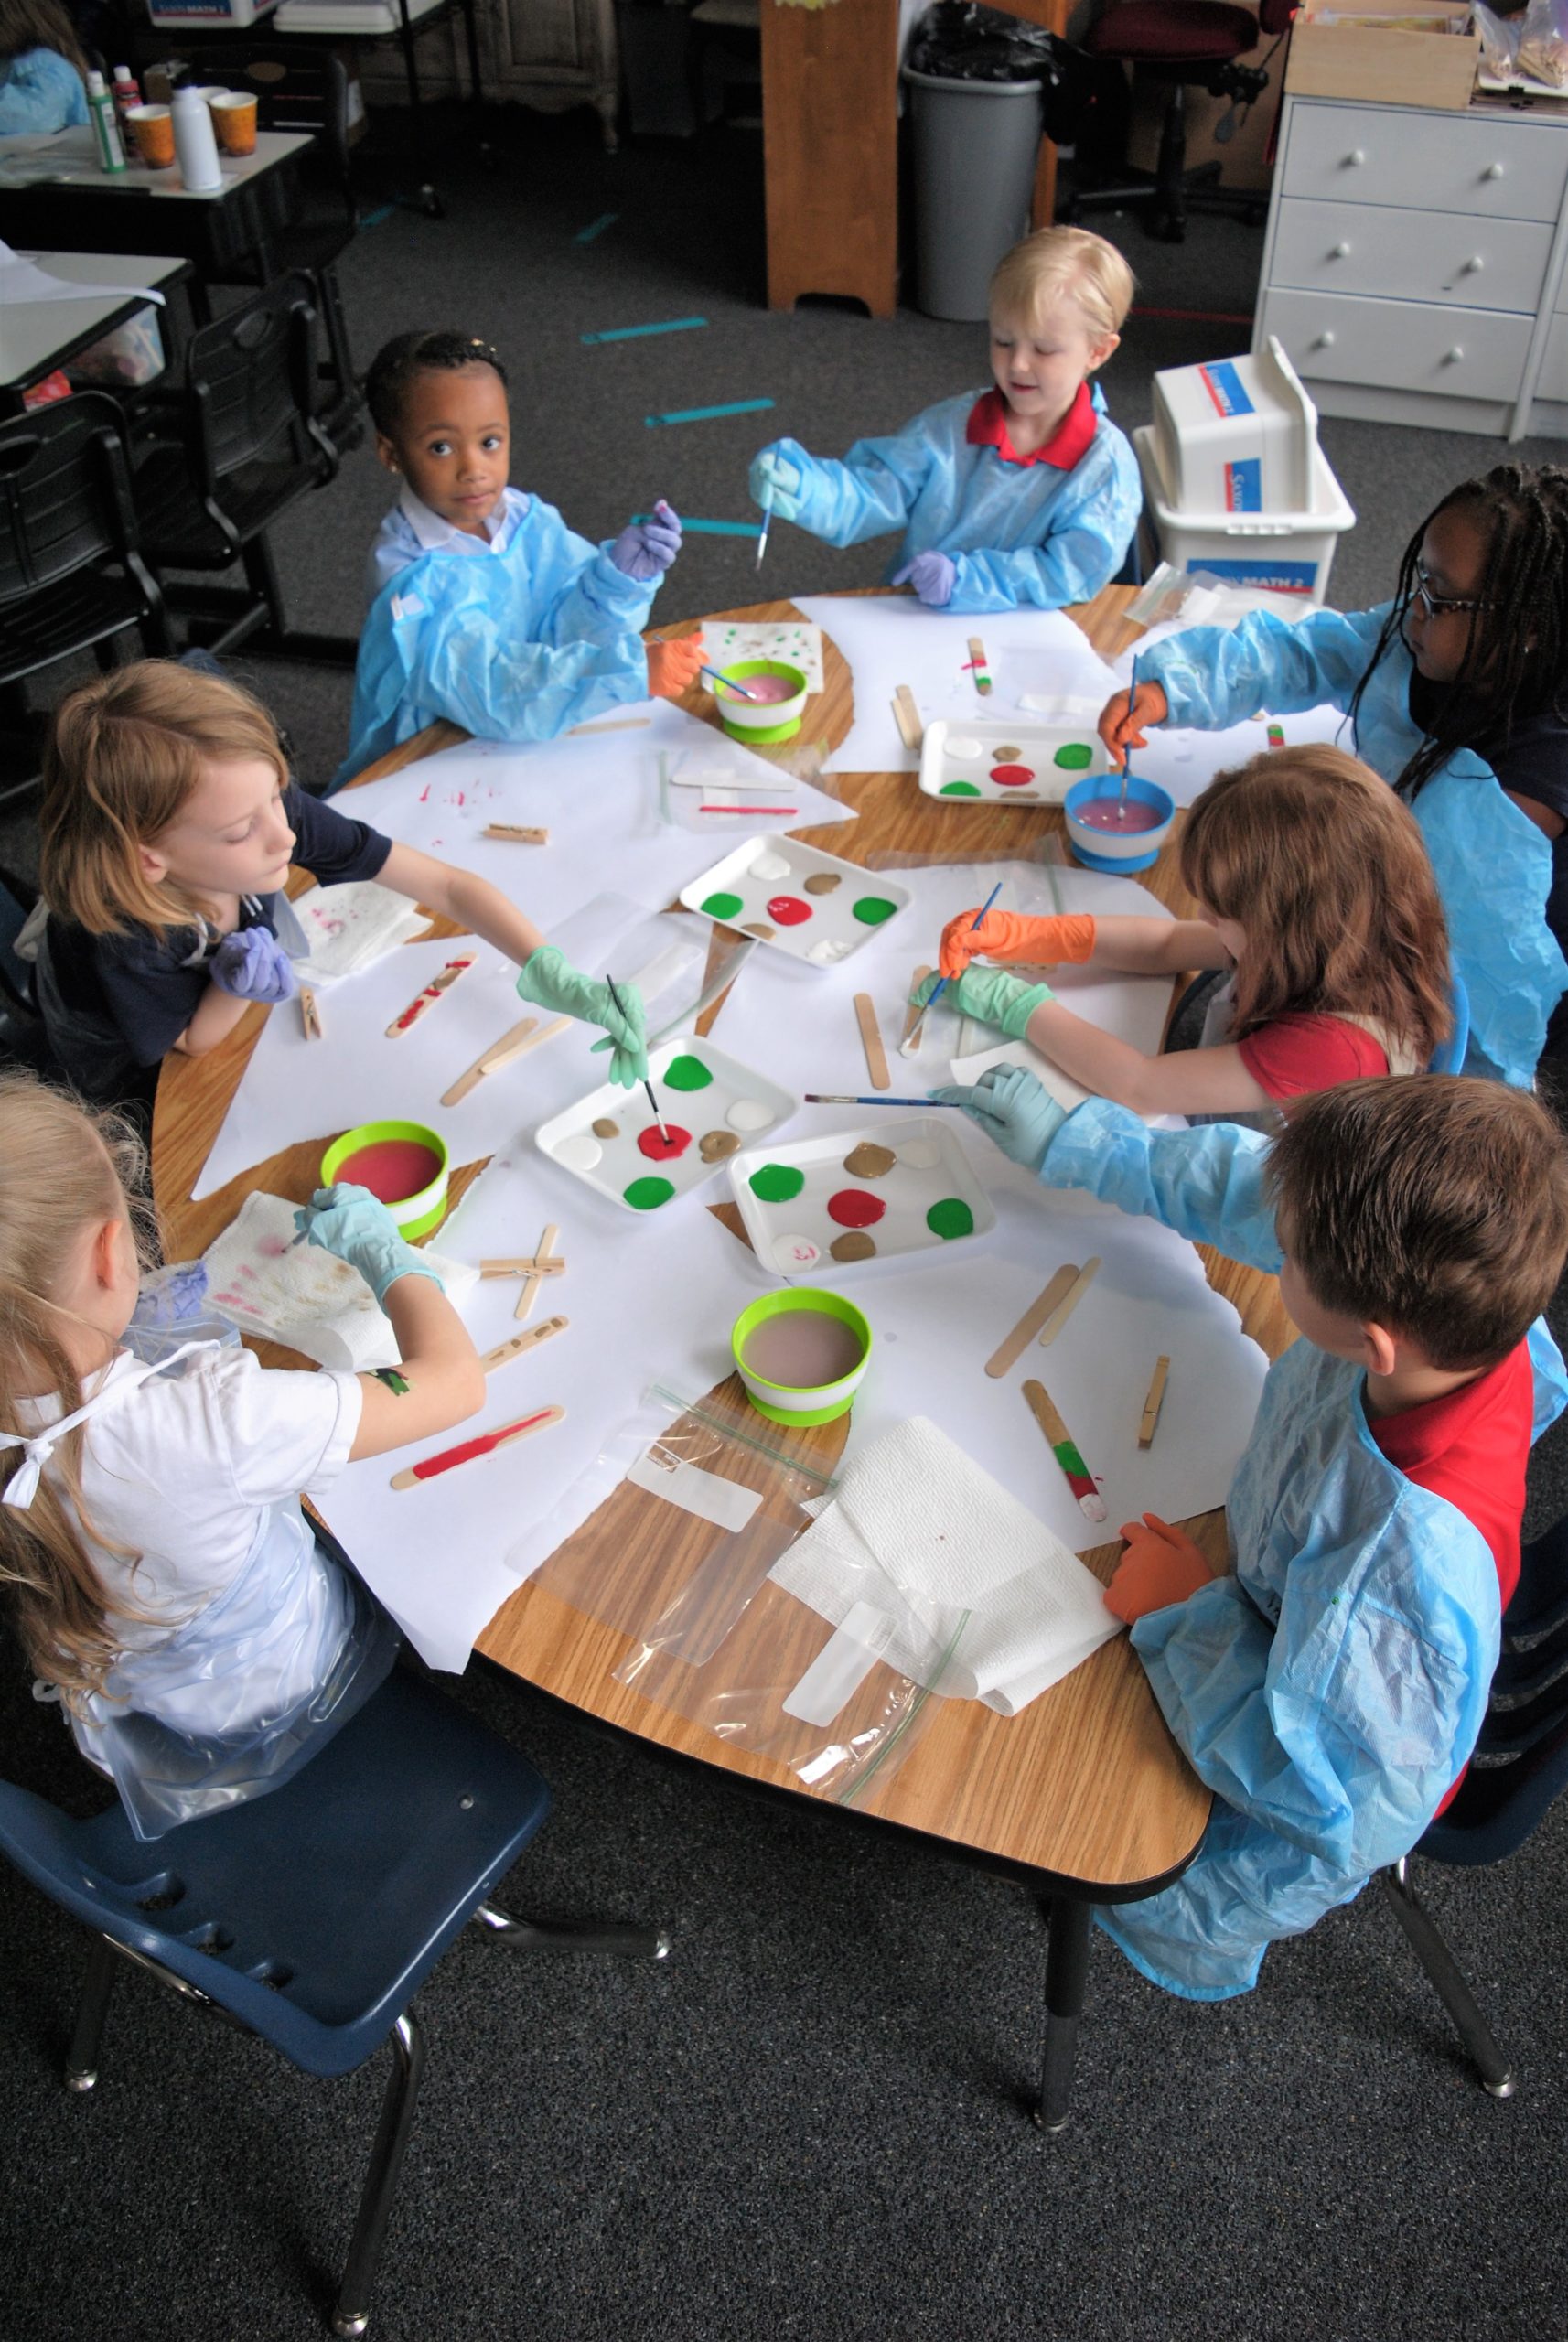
(1015, 762)
(711, 1105)
(820, 1207)
(799, 899)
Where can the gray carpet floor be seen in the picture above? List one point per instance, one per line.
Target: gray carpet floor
(806, 2123)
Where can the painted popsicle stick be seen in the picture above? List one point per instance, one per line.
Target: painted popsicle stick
(1064, 1447)
(1276, 736)
(1070, 1302)
(621, 724)
(907, 716)
(504, 1352)
(913, 1012)
(1154, 1402)
(525, 1264)
(1009, 1352)
(442, 981)
(749, 809)
(870, 1041)
(978, 667)
(530, 1284)
(310, 1014)
(517, 833)
(487, 1444)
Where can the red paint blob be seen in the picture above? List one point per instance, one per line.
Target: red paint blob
(788, 911)
(392, 1168)
(664, 1150)
(852, 1207)
(1012, 776)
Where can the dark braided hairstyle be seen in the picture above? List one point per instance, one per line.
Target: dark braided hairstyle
(1516, 662)
(398, 362)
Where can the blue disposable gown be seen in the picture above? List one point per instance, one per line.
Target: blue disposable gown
(1493, 865)
(514, 647)
(1021, 535)
(40, 92)
(1330, 1690)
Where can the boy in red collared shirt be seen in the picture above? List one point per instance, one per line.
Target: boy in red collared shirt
(1027, 494)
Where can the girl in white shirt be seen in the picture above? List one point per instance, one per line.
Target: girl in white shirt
(159, 1573)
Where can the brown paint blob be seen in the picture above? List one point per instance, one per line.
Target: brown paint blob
(855, 1246)
(760, 929)
(822, 882)
(604, 1128)
(869, 1162)
(714, 1145)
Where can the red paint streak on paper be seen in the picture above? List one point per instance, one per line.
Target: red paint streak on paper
(472, 1447)
(424, 794)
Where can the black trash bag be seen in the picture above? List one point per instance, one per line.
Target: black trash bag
(958, 40)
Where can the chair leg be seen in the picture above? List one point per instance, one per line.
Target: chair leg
(1167, 214)
(1066, 1974)
(82, 2058)
(1496, 2075)
(351, 2310)
(624, 1942)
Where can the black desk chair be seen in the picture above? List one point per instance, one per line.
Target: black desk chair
(1519, 1767)
(222, 456)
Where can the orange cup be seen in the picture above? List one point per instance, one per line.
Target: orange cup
(234, 120)
(152, 127)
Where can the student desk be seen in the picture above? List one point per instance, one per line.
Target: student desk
(37, 335)
(1084, 1796)
(82, 208)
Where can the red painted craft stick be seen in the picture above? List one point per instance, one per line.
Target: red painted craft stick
(485, 1445)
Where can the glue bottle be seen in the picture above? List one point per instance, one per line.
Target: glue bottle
(105, 124)
(126, 95)
(195, 143)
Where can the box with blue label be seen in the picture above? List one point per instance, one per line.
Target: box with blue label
(1238, 435)
(1275, 552)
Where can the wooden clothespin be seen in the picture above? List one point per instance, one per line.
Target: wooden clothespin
(516, 834)
(907, 716)
(524, 1265)
(531, 1282)
(310, 1014)
(1154, 1402)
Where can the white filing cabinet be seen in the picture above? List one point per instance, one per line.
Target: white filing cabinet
(1415, 268)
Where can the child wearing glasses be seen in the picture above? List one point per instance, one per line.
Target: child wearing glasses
(1456, 692)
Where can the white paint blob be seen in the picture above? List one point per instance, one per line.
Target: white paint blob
(795, 1253)
(579, 1151)
(750, 1114)
(830, 948)
(920, 1155)
(769, 866)
(964, 747)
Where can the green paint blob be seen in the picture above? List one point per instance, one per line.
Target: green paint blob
(647, 1194)
(872, 909)
(951, 1217)
(776, 1183)
(1074, 755)
(721, 906)
(958, 788)
(685, 1073)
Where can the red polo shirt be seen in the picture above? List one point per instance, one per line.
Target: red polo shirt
(987, 427)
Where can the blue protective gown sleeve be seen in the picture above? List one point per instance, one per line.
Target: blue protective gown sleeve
(40, 92)
(514, 648)
(1206, 1184)
(1216, 676)
(1020, 535)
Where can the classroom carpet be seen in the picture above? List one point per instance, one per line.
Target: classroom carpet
(807, 2123)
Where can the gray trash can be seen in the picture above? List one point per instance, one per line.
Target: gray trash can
(975, 149)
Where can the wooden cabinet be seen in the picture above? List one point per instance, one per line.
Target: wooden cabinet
(546, 53)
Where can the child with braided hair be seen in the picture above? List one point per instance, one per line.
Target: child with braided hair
(1457, 693)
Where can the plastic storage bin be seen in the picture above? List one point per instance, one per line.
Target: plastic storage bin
(977, 144)
(1238, 435)
(219, 16)
(1278, 553)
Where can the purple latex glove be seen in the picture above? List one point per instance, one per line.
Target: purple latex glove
(933, 576)
(253, 966)
(645, 549)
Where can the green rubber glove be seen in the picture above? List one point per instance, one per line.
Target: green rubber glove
(992, 996)
(1015, 1110)
(550, 981)
(356, 1226)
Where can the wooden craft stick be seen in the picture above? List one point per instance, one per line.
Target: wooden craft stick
(1029, 1324)
(516, 834)
(914, 1012)
(1064, 1447)
(1154, 1402)
(504, 1352)
(525, 1264)
(907, 716)
(870, 1041)
(442, 981)
(310, 1014)
(979, 669)
(530, 1284)
(487, 1444)
(510, 1045)
(1069, 1303)
(621, 724)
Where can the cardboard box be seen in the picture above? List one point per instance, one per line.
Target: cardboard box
(1381, 64)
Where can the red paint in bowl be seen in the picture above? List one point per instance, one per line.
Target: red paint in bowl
(391, 1168)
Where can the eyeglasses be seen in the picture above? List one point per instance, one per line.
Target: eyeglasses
(1440, 605)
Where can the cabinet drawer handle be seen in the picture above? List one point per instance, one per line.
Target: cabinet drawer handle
(1472, 266)
(1359, 155)
(1325, 339)
(1452, 357)
(1493, 171)
(1340, 252)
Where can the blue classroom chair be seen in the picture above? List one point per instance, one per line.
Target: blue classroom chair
(1519, 1767)
(311, 1916)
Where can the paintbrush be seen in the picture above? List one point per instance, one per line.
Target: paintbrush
(824, 1098)
(648, 1085)
(1126, 753)
(766, 524)
(911, 1041)
(738, 689)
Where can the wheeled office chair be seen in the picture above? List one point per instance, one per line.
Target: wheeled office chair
(312, 1916)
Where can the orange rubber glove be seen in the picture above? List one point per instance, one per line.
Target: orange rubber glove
(1003, 935)
(1122, 725)
(1160, 1566)
(674, 667)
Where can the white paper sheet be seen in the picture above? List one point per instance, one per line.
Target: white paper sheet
(727, 639)
(350, 926)
(22, 281)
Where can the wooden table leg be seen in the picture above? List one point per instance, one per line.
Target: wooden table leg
(1067, 1972)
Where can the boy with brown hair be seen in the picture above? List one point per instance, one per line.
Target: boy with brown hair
(1330, 1687)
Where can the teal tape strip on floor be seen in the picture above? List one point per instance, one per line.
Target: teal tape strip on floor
(707, 413)
(632, 333)
(596, 228)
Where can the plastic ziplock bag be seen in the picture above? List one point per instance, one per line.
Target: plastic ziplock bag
(714, 790)
(697, 1503)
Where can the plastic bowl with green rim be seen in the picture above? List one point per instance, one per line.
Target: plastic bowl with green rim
(801, 1403)
(393, 1149)
(759, 722)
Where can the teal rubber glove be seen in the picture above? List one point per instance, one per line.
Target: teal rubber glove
(550, 981)
(992, 996)
(358, 1227)
(1015, 1110)
(774, 482)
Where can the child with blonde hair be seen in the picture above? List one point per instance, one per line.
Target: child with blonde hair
(1316, 894)
(167, 826)
(159, 1571)
(1025, 495)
